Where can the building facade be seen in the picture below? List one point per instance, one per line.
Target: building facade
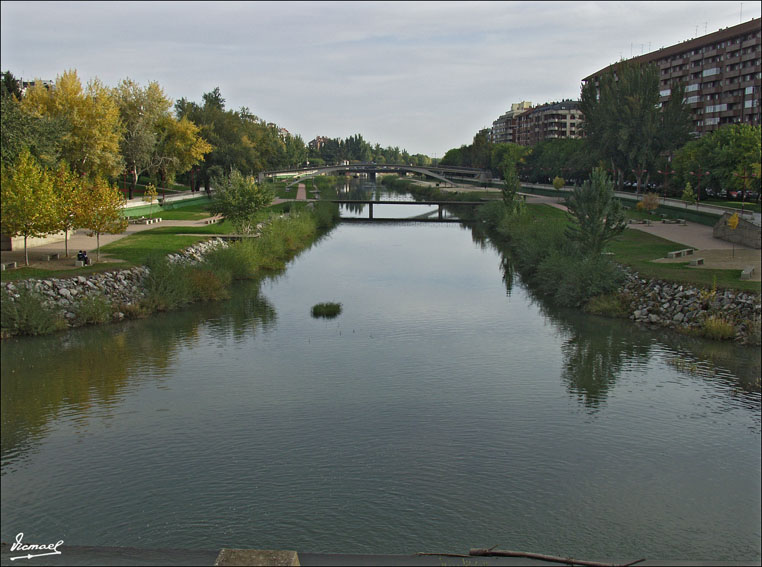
(503, 129)
(721, 72)
(550, 121)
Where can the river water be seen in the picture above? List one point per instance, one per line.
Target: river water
(445, 408)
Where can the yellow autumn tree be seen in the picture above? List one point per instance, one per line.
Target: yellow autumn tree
(94, 128)
(100, 211)
(29, 206)
(180, 146)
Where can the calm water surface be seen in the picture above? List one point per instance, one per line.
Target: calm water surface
(444, 409)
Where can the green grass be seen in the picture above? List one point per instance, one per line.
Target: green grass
(638, 249)
(734, 204)
(134, 249)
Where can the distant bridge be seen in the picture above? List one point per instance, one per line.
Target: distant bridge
(439, 204)
(371, 169)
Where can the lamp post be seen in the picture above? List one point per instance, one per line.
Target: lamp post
(699, 174)
(666, 174)
(745, 178)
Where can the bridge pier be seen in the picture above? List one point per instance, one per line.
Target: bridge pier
(439, 211)
(370, 210)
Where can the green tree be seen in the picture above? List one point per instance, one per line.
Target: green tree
(68, 187)
(140, 110)
(596, 214)
(29, 203)
(21, 129)
(723, 152)
(624, 123)
(238, 198)
(100, 211)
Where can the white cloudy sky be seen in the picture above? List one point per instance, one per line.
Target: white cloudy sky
(424, 76)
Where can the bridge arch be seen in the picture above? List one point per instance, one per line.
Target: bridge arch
(368, 168)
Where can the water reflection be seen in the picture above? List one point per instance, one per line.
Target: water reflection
(88, 371)
(596, 349)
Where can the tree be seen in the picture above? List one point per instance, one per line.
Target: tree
(149, 197)
(624, 122)
(91, 142)
(68, 187)
(596, 214)
(100, 211)
(21, 129)
(29, 206)
(511, 186)
(140, 110)
(179, 147)
(238, 198)
(9, 85)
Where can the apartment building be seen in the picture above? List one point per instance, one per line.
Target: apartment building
(721, 72)
(548, 122)
(503, 129)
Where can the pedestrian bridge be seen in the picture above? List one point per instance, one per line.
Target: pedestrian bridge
(362, 203)
(371, 169)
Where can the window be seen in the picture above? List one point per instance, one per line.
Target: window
(710, 72)
(692, 99)
(711, 121)
(665, 92)
(691, 88)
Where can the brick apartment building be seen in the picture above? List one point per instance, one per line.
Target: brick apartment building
(527, 125)
(548, 122)
(721, 73)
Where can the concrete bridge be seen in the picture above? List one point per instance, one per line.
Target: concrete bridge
(439, 173)
(439, 204)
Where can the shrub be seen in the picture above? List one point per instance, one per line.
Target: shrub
(609, 305)
(572, 280)
(28, 315)
(92, 310)
(718, 328)
(558, 183)
(167, 284)
(326, 310)
(207, 285)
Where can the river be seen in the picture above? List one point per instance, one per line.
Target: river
(445, 408)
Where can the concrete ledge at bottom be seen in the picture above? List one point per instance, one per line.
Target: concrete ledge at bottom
(264, 557)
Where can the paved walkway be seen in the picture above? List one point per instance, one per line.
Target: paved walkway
(80, 241)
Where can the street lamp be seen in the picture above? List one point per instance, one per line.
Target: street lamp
(666, 174)
(699, 175)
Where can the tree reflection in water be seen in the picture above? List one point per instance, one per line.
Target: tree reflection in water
(88, 371)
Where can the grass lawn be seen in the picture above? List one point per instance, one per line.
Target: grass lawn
(134, 249)
(637, 249)
(756, 207)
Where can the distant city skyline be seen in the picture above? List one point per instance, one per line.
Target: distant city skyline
(423, 76)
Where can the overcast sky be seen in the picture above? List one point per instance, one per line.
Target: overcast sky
(424, 76)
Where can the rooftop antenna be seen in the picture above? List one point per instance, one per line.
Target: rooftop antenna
(741, 21)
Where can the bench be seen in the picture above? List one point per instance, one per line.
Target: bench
(9, 266)
(747, 272)
(50, 257)
(697, 262)
(680, 253)
(212, 220)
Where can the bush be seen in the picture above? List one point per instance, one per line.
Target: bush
(167, 284)
(572, 280)
(609, 305)
(28, 315)
(92, 310)
(718, 328)
(207, 285)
